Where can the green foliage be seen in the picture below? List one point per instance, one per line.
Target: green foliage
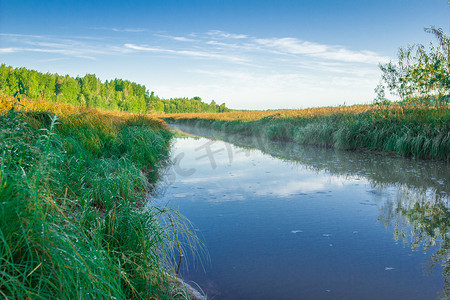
(420, 76)
(89, 91)
(72, 224)
(185, 105)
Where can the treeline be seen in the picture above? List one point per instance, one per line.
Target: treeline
(90, 91)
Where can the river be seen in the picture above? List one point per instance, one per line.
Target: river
(284, 221)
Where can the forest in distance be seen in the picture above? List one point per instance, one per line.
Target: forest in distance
(90, 91)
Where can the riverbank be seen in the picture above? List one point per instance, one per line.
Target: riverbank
(420, 132)
(73, 221)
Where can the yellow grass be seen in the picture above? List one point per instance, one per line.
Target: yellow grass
(248, 116)
(60, 109)
(256, 115)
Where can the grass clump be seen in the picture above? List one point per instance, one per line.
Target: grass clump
(73, 224)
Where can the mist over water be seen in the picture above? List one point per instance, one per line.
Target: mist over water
(283, 221)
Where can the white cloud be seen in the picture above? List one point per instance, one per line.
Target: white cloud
(144, 48)
(291, 46)
(176, 38)
(330, 52)
(8, 50)
(129, 30)
(66, 52)
(288, 49)
(226, 35)
(20, 35)
(199, 54)
(86, 47)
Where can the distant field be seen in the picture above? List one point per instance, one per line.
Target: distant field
(256, 115)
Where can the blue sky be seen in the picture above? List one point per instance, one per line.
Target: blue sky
(249, 54)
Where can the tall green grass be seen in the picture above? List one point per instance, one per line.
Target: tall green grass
(422, 132)
(73, 221)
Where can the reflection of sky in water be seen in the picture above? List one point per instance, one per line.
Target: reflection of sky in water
(251, 171)
(280, 230)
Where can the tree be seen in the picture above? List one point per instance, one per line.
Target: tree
(420, 76)
(90, 88)
(67, 90)
(223, 108)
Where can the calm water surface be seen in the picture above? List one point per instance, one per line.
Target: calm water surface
(283, 221)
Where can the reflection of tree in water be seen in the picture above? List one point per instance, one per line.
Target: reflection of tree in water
(421, 218)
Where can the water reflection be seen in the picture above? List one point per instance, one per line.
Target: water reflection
(379, 169)
(421, 219)
(303, 228)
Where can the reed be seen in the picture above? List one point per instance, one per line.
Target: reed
(421, 132)
(73, 221)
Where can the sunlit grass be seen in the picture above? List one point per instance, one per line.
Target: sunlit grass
(246, 116)
(73, 221)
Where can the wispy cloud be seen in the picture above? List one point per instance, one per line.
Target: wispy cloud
(20, 35)
(285, 46)
(295, 46)
(66, 52)
(176, 38)
(279, 48)
(227, 35)
(144, 48)
(7, 50)
(87, 48)
(192, 53)
(129, 30)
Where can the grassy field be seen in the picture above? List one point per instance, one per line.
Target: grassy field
(416, 131)
(73, 219)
